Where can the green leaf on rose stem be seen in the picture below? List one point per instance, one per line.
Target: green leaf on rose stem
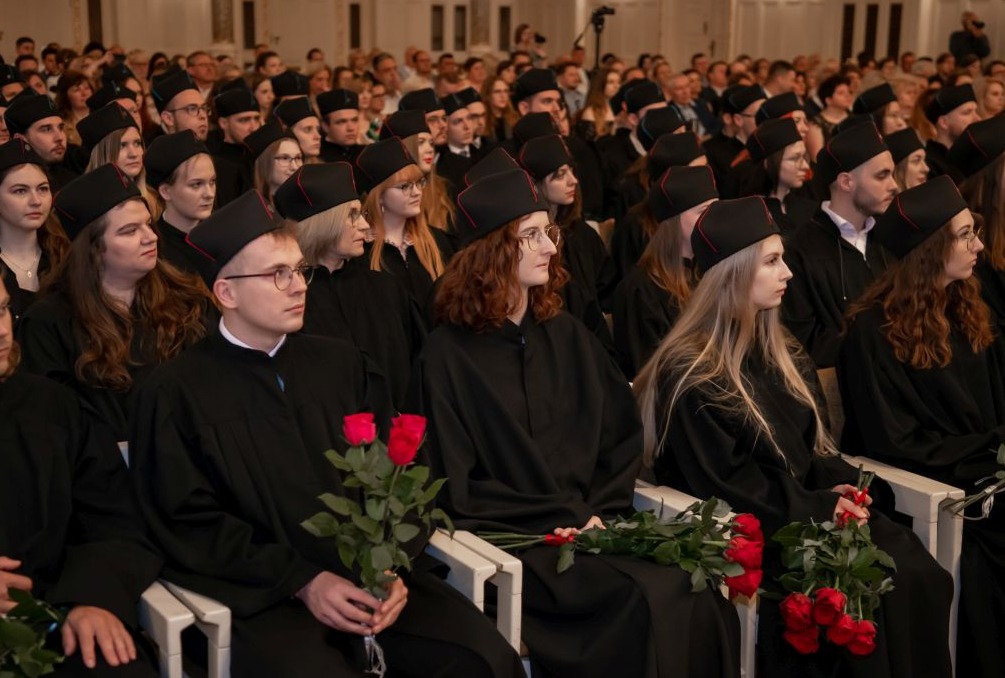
(884, 559)
(375, 508)
(566, 557)
(401, 559)
(368, 478)
(404, 488)
(396, 506)
(14, 634)
(420, 474)
(337, 460)
(354, 458)
(698, 581)
(380, 558)
(405, 532)
(347, 554)
(370, 527)
(440, 515)
(351, 482)
(732, 570)
(339, 505)
(687, 564)
(430, 492)
(791, 581)
(321, 524)
(1001, 455)
(667, 553)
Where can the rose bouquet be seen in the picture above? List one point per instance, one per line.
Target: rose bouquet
(23, 631)
(396, 499)
(698, 540)
(835, 576)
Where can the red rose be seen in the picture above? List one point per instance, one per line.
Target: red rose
(747, 525)
(745, 552)
(864, 641)
(806, 641)
(359, 429)
(843, 630)
(406, 436)
(745, 584)
(797, 611)
(556, 540)
(828, 606)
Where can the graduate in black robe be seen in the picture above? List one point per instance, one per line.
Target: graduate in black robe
(704, 440)
(230, 441)
(652, 295)
(340, 115)
(365, 308)
(944, 418)
(86, 309)
(238, 115)
(778, 148)
(68, 528)
(535, 430)
(951, 110)
(829, 272)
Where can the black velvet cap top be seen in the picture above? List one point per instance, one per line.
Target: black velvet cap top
(494, 201)
(168, 151)
(903, 143)
(496, 162)
(103, 122)
(917, 213)
(874, 99)
(777, 107)
(543, 155)
(420, 100)
(772, 136)
(9, 75)
(679, 189)
(657, 122)
(849, 149)
(168, 86)
(531, 82)
(980, 144)
(453, 103)
(27, 109)
(90, 195)
(533, 125)
(646, 93)
(469, 95)
(109, 93)
(18, 152)
(380, 160)
(673, 150)
(403, 124)
(736, 98)
(337, 100)
(265, 136)
(293, 111)
(290, 84)
(312, 189)
(727, 227)
(947, 99)
(234, 101)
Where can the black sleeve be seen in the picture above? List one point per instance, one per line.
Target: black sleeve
(803, 318)
(639, 327)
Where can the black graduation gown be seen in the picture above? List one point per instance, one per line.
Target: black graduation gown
(712, 452)
(409, 271)
(230, 459)
(629, 240)
(617, 153)
(828, 273)
(644, 313)
(535, 428)
(66, 508)
(229, 181)
(484, 146)
(720, 151)
(945, 423)
(331, 152)
(51, 341)
(993, 292)
(586, 258)
(21, 299)
(172, 248)
(591, 178)
(60, 174)
(452, 167)
(798, 211)
(630, 193)
(937, 159)
(239, 164)
(371, 311)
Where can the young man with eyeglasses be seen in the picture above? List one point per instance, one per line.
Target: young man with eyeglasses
(229, 459)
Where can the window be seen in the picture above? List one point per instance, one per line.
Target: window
(893, 37)
(847, 31)
(436, 27)
(505, 28)
(460, 28)
(354, 25)
(94, 20)
(871, 19)
(248, 23)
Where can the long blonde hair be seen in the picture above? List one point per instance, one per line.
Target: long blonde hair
(318, 233)
(707, 347)
(107, 151)
(437, 207)
(415, 227)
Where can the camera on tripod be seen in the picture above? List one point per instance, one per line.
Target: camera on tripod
(597, 18)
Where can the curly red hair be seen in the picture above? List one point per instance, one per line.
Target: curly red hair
(920, 312)
(478, 288)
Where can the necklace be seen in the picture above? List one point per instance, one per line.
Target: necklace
(29, 270)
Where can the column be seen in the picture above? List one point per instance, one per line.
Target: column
(223, 28)
(480, 41)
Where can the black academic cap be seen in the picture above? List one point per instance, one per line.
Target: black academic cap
(679, 189)
(403, 124)
(917, 213)
(27, 109)
(618, 100)
(772, 136)
(337, 100)
(234, 101)
(979, 145)
(18, 152)
(452, 103)
(168, 86)
(496, 162)
(469, 95)
(727, 227)
(494, 201)
(737, 98)
(380, 160)
(646, 93)
(264, 136)
(852, 120)
(293, 111)
(110, 91)
(673, 150)
(531, 82)
(224, 233)
(9, 74)
(777, 107)
(533, 125)
(543, 155)
(90, 195)
(312, 189)
(657, 122)
(117, 72)
(103, 122)
(167, 152)
(290, 84)
(847, 150)
(947, 99)
(420, 100)
(874, 99)
(903, 143)
(233, 83)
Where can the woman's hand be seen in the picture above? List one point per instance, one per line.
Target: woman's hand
(859, 513)
(566, 532)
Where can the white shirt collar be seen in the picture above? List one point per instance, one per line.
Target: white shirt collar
(848, 231)
(460, 150)
(636, 143)
(226, 334)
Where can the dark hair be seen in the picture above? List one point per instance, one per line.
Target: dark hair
(152, 66)
(696, 56)
(23, 40)
(94, 45)
(445, 55)
(779, 68)
(983, 193)
(66, 81)
(312, 51)
(380, 57)
(14, 355)
(642, 59)
(863, 58)
(829, 86)
(991, 64)
(471, 61)
(50, 50)
(22, 58)
(262, 58)
(563, 66)
(944, 57)
(502, 66)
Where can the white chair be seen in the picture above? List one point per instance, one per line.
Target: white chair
(163, 617)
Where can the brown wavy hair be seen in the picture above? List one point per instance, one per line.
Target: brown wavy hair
(14, 356)
(663, 259)
(52, 239)
(437, 207)
(479, 287)
(169, 304)
(983, 193)
(920, 313)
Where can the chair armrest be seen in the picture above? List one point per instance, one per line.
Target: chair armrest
(661, 499)
(468, 570)
(212, 617)
(508, 580)
(916, 495)
(164, 617)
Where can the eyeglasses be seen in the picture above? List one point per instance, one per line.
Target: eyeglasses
(192, 109)
(355, 215)
(289, 159)
(282, 276)
(534, 240)
(411, 185)
(971, 237)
